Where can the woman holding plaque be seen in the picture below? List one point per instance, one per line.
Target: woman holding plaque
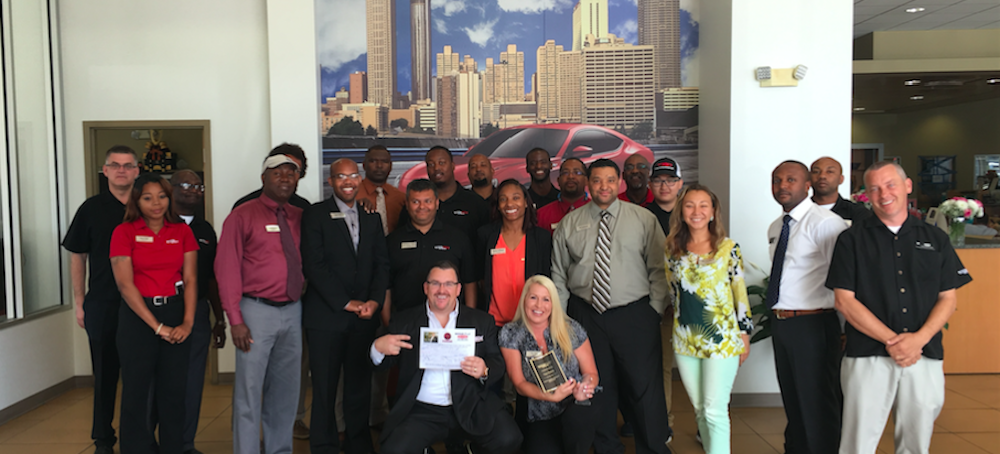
(550, 362)
(712, 312)
(511, 249)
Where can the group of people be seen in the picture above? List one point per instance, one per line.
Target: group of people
(617, 287)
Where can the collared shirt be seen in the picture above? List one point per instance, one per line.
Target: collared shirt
(351, 219)
(897, 276)
(250, 259)
(550, 215)
(295, 200)
(90, 233)
(812, 234)
(465, 211)
(435, 386)
(636, 255)
(662, 216)
(508, 279)
(207, 245)
(645, 202)
(542, 200)
(157, 258)
(395, 200)
(412, 253)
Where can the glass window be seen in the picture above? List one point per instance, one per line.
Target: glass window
(516, 143)
(590, 142)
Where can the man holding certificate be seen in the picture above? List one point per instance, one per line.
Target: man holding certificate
(451, 392)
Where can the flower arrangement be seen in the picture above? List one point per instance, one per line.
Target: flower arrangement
(861, 197)
(961, 209)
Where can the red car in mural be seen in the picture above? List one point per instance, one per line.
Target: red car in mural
(507, 148)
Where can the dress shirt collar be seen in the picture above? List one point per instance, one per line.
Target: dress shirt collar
(645, 201)
(270, 203)
(371, 185)
(595, 211)
(566, 207)
(433, 320)
(874, 222)
(343, 206)
(801, 209)
(437, 225)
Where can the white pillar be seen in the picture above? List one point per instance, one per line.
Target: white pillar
(746, 130)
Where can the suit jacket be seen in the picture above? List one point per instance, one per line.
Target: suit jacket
(336, 273)
(537, 255)
(850, 210)
(475, 406)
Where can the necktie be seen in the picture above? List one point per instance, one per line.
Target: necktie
(380, 209)
(777, 263)
(292, 258)
(352, 226)
(602, 265)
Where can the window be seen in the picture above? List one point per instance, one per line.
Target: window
(594, 141)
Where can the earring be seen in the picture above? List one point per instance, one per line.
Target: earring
(711, 219)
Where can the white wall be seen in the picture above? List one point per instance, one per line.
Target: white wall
(36, 355)
(747, 130)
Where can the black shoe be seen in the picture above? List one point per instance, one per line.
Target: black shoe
(193, 451)
(104, 450)
(429, 450)
(626, 430)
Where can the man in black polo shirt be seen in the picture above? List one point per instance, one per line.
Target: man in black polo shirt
(894, 278)
(89, 239)
(826, 176)
(189, 192)
(423, 241)
(538, 164)
(666, 184)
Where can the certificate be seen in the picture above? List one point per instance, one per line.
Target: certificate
(548, 372)
(446, 348)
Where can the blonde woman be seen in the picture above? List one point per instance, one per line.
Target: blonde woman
(712, 322)
(540, 326)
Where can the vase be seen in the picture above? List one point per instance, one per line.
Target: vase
(956, 233)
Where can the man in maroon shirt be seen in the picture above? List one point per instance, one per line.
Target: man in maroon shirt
(573, 181)
(636, 176)
(259, 269)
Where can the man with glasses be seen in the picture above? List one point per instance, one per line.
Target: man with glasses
(346, 265)
(437, 403)
(636, 176)
(89, 241)
(573, 181)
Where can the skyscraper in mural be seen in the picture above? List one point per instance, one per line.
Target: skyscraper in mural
(358, 87)
(420, 48)
(505, 77)
(611, 62)
(590, 17)
(380, 18)
(659, 26)
(447, 62)
(547, 82)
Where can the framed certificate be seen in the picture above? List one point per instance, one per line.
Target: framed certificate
(548, 371)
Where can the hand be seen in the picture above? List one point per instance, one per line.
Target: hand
(368, 310)
(219, 335)
(241, 337)
(905, 348)
(79, 316)
(746, 347)
(366, 205)
(166, 332)
(180, 334)
(584, 390)
(354, 306)
(562, 392)
(392, 344)
(474, 367)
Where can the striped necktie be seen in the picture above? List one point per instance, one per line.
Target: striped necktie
(602, 265)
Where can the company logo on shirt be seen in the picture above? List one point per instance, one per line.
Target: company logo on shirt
(202, 241)
(173, 241)
(442, 247)
(460, 213)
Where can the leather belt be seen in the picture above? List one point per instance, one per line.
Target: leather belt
(269, 302)
(782, 314)
(163, 300)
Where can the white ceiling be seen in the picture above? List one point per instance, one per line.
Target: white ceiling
(890, 15)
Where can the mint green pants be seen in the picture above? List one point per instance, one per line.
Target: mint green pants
(709, 383)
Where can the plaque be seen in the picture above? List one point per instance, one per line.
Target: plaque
(548, 372)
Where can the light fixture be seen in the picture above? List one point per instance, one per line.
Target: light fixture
(993, 80)
(800, 72)
(918, 9)
(912, 82)
(916, 98)
(859, 109)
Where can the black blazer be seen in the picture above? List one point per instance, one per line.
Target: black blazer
(336, 273)
(474, 404)
(537, 255)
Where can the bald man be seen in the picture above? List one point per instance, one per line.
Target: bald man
(480, 172)
(826, 176)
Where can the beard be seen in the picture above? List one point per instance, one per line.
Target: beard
(481, 183)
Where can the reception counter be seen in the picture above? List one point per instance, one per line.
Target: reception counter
(972, 340)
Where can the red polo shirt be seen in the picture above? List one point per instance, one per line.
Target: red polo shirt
(645, 203)
(157, 258)
(550, 214)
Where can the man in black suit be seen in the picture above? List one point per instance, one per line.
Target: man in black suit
(346, 264)
(434, 403)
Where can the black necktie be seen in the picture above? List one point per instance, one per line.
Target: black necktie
(777, 263)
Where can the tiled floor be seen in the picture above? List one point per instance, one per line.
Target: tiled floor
(969, 424)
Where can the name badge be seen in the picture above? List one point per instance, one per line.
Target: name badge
(337, 215)
(143, 239)
(408, 245)
(498, 251)
(554, 225)
(272, 228)
(582, 227)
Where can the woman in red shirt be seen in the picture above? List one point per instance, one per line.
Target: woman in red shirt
(154, 258)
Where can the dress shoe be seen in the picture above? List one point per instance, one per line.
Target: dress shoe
(627, 431)
(300, 431)
(104, 450)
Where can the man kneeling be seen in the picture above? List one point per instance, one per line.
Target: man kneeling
(435, 402)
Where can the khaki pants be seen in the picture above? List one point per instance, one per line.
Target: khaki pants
(667, 338)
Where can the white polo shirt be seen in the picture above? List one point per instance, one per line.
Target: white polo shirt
(813, 234)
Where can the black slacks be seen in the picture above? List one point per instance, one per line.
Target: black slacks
(427, 424)
(572, 432)
(328, 352)
(628, 353)
(153, 370)
(101, 321)
(807, 359)
(201, 336)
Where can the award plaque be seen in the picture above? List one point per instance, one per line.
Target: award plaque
(548, 372)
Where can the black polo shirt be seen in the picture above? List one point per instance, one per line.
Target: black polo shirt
(662, 216)
(850, 210)
(896, 276)
(412, 253)
(90, 233)
(295, 200)
(541, 200)
(464, 210)
(207, 244)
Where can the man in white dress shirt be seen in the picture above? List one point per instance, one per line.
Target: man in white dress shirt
(805, 327)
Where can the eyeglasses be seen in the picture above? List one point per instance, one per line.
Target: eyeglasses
(578, 173)
(661, 181)
(344, 176)
(450, 285)
(189, 186)
(636, 166)
(116, 166)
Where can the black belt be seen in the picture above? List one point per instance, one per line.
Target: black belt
(269, 302)
(163, 300)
